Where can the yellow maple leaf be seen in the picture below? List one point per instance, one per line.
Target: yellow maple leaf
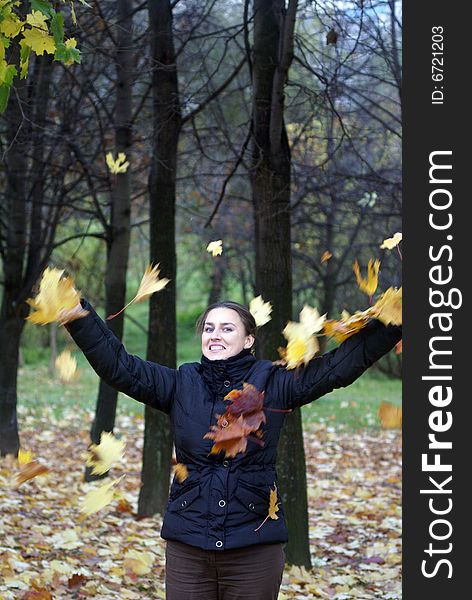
(120, 165)
(180, 472)
(39, 41)
(138, 562)
(66, 366)
(390, 415)
(11, 26)
(150, 283)
(56, 293)
(37, 19)
(273, 507)
(71, 43)
(104, 455)
(24, 457)
(390, 243)
(215, 247)
(388, 308)
(301, 343)
(98, 498)
(260, 310)
(370, 284)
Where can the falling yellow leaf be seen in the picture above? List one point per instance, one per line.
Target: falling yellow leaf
(138, 562)
(390, 416)
(215, 247)
(302, 345)
(120, 165)
(310, 319)
(56, 293)
(260, 310)
(150, 283)
(98, 498)
(326, 256)
(370, 284)
(24, 457)
(390, 243)
(388, 308)
(347, 326)
(180, 472)
(273, 507)
(104, 455)
(66, 366)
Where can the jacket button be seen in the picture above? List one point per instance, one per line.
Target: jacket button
(226, 463)
(222, 503)
(226, 383)
(251, 506)
(218, 544)
(224, 423)
(184, 504)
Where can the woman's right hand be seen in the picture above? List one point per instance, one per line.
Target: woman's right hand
(71, 314)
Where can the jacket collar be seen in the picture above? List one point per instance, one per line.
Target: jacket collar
(232, 369)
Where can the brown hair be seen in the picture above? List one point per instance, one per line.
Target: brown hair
(246, 317)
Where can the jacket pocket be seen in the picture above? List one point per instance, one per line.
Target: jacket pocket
(253, 499)
(184, 499)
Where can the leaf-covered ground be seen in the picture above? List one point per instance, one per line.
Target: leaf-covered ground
(48, 550)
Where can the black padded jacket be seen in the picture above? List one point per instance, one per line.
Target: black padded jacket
(223, 501)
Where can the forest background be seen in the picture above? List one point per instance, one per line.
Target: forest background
(273, 126)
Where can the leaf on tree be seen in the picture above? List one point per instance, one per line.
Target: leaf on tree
(180, 472)
(273, 507)
(29, 471)
(98, 498)
(150, 283)
(216, 247)
(302, 345)
(120, 165)
(102, 456)
(56, 293)
(390, 416)
(390, 243)
(260, 310)
(326, 256)
(388, 308)
(66, 367)
(243, 417)
(370, 284)
(139, 563)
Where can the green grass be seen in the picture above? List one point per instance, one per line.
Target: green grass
(355, 406)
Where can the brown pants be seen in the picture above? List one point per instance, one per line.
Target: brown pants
(250, 573)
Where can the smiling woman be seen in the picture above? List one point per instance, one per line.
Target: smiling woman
(226, 328)
(216, 523)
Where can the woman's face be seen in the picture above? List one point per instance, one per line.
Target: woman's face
(224, 334)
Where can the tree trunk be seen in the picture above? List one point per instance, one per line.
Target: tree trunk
(13, 308)
(216, 281)
(162, 338)
(118, 238)
(273, 47)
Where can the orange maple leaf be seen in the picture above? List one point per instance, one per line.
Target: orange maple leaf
(29, 471)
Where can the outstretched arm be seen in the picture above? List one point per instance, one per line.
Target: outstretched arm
(144, 381)
(337, 368)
